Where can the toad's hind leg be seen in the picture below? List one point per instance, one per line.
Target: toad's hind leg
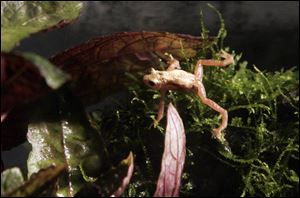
(217, 133)
(228, 59)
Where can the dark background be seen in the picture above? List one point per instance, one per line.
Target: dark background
(267, 33)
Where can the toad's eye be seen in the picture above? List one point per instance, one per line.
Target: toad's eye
(151, 83)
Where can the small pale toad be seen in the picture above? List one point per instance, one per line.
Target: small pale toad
(175, 78)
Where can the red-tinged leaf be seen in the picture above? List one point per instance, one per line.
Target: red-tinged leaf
(97, 67)
(169, 181)
(14, 128)
(23, 78)
(20, 81)
(128, 162)
(3, 116)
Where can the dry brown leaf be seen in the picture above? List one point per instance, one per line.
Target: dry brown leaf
(98, 66)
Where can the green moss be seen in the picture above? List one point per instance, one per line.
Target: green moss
(19, 19)
(262, 131)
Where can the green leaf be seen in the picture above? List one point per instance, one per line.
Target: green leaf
(60, 133)
(293, 176)
(10, 180)
(39, 182)
(19, 19)
(53, 76)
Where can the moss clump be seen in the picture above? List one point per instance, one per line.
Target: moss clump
(263, 131)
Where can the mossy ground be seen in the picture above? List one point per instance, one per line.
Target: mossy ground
(263, 130)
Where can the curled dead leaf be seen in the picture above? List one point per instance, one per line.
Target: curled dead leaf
(97, 67)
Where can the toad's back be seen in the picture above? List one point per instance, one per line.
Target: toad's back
(177, 79)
